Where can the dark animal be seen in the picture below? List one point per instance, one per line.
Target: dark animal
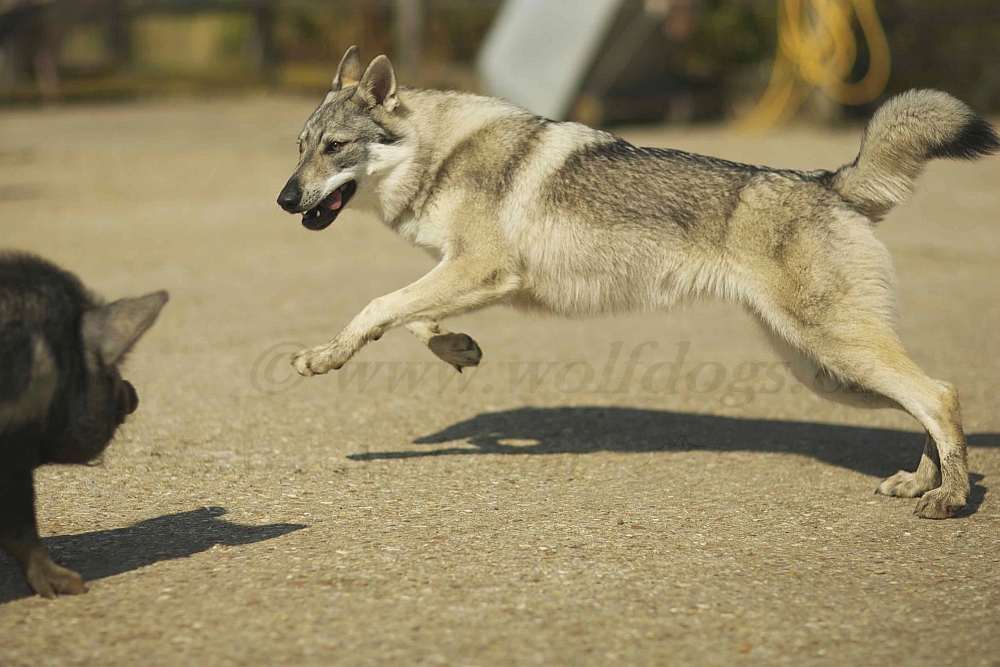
(61, 395)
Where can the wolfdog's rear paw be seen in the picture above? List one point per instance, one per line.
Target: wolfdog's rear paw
(457, 349)
(906, 485)
(940, 503)
(48, 579)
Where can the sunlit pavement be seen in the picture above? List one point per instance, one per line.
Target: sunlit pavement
(646, 490)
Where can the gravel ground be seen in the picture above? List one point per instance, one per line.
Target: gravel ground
(553, 507)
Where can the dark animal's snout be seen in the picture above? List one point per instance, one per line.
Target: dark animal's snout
(131, 398)
(290, 196)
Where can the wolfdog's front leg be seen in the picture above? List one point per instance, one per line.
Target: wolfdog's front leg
(452, 287)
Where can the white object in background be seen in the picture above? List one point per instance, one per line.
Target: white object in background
(538, 52)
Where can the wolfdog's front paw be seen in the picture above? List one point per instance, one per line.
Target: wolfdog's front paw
(48, 579)
(315, 361)
(457, 349)
(906, 485)
(941, 503)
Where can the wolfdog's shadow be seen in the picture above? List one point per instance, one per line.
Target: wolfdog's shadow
(105, 553)
(872, 451)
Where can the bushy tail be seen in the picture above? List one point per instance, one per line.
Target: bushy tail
(903, 135)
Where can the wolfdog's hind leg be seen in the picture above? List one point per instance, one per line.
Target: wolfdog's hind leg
(457, 349)
(830, 296)
(915, 484)
(873, 358)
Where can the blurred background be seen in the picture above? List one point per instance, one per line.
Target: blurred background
(757, 62)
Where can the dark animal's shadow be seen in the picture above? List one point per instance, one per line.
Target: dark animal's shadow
(105, 553)
(871, 451)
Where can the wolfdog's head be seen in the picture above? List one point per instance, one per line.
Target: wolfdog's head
(339, 145)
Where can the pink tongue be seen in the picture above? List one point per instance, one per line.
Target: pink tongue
(333, 201)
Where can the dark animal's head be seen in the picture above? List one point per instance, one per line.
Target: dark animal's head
(64, 386)
(107, 333)
(349, 138)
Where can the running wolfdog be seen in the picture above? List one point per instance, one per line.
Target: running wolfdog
(566, 219)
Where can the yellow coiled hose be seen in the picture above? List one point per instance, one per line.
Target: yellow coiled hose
(817, 49)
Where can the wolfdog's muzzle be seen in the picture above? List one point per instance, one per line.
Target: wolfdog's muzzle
(323, 214)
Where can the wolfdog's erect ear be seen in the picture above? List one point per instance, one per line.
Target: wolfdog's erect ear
(349, 71)
(378, 85)
(111, 330)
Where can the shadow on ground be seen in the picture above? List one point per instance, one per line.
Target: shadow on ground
(578, 430)
(105, 553)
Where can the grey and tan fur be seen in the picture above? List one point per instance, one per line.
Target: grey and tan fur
(561, 218)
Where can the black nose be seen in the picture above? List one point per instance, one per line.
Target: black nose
(131, 398)
(290, 196)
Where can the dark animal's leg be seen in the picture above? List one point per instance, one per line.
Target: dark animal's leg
(19, 538)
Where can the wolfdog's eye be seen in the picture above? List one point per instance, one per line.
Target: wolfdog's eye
(334, 147)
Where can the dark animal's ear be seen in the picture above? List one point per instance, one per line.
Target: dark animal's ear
(349, 71)
(110, 331)
(378, 85)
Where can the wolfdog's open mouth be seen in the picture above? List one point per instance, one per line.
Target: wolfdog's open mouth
(327, 210)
